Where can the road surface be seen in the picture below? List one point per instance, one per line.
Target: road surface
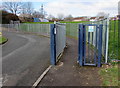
(24, 58)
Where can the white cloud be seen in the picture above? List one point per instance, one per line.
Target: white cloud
(77, 8)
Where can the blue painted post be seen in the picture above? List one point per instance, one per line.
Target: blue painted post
(80, 46)
(53, 45)
(100, 45)
(84, 43)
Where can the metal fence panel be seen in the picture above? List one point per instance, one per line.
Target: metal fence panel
(72, 30)
(58, 41)
(42, 29)
(60, 38)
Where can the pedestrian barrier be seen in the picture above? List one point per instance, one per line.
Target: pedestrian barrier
(58, 32)
(90, 44)
(58, 41)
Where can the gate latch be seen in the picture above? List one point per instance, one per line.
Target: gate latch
(55, 31)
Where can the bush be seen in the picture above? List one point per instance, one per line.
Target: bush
(6, 17)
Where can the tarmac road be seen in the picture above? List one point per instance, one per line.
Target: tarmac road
(24, 58)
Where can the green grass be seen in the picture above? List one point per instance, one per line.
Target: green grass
(114, 47)
(2, 39)
(110, 75)
(53, 22)
(74, 22)
(40, 22)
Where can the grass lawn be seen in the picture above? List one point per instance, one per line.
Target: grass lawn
(53, 22)
(40, 22)
(2, 40)
(110, 75)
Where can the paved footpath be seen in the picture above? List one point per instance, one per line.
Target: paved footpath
(24, 58)
(69, 73)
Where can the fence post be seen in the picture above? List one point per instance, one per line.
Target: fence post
(84, 44)
(80, 45)
(107, 40)
(53, 45)
(100, 45)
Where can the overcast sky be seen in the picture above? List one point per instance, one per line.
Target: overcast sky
(76, 7)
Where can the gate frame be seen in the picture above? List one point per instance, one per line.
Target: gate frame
(82, 44)
(53, 44)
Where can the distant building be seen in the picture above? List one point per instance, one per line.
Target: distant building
(93, 19)
(80, 19)
(115, 18)
(118, 17)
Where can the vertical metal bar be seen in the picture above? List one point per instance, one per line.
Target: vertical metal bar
(79, 40)
(88, 45)
(53, 45)
(107, 41)
(84, 43)
(95, 49)
(114, 38)
(105, 37)
(92, 38)
(96, 37)
(109, 53)
(119, 35)
(80, 44)
(100, 45)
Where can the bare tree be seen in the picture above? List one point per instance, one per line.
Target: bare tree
(13, 7)
(50, 17)
(27, 8)
(102, 14)
(36, 14)
(68, 18)
(60, 16)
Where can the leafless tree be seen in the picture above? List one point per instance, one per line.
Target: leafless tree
(27, 8)
(60, 16)
(102, 14)
(50, 17)
(36, 14)
(68, 18)
(13, 7)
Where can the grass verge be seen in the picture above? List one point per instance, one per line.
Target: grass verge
(2, 40)
(110, 75)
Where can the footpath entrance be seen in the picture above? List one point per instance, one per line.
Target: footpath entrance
(90, 44)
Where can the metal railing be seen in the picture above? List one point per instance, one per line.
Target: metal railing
(42, 29)
(60, 38)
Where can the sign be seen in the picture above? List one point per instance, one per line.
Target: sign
(91, 29)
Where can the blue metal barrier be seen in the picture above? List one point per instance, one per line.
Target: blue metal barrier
(53, 44)
(90, 45)
(58, 41)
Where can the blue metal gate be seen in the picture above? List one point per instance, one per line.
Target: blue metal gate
(90, 44)
(58, 41)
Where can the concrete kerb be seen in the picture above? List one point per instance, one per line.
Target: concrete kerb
(41, 77)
